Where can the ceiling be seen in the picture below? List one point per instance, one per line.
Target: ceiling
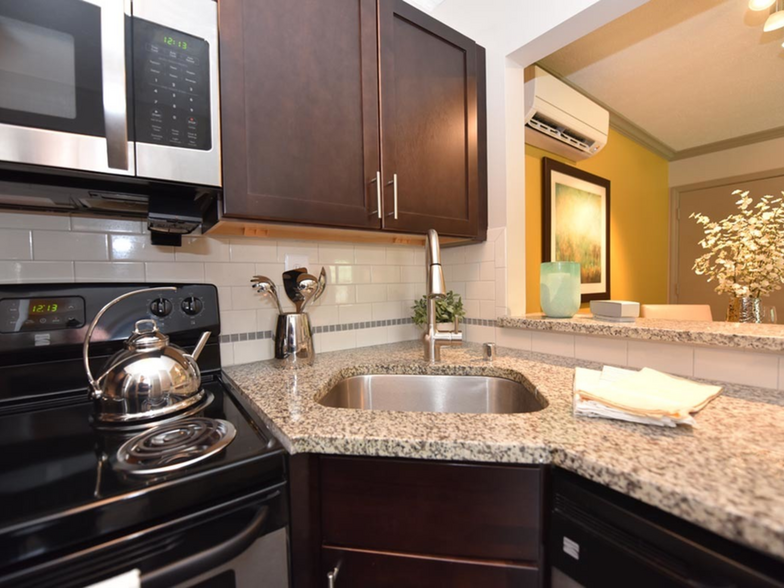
(687, 72)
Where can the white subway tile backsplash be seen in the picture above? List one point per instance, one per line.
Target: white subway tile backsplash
(604, 350)
(514, 338)
(405, 291)
(227, 354)
(325, 314)
(500, 251)
(59, 246)
(413, 274)
(36, 271)
(346, 274)
(373, 336)
(16, 245)
(337, 294)
(364, 282)
(20, 220)
(370, 255)
(487, 271)
(266, 320)
(138, 248)
(371, 293)
(297, 253)
(665, 357)
(383, 311)
(225, 298)
(109, 271)
(255, 350)
(552, 343)
(385, 274)
(229, 274)
(738, 367)
(480, 290)
(274, 271)
(500, 286)
(245, 298)
(400, 256)
(105, 225)
(202, 249)
(397, 333)
(355, 313)
(486, 310)
(781, 373)
(237, 321)
(176, 272)
(335, 341)
(330, 254)
(479, 334)
(253, 250)
(480, 252)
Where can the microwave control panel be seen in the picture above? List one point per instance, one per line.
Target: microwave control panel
(172, 87)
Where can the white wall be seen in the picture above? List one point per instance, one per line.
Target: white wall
(367, 301)
(749, 159)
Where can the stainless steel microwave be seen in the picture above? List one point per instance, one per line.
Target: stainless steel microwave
(126, 87)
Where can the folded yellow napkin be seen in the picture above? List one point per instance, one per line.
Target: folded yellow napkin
(653, 396)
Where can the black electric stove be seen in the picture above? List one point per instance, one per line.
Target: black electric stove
(69, 514)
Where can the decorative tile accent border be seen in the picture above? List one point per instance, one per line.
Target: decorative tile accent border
(480, 322)
(320, 329)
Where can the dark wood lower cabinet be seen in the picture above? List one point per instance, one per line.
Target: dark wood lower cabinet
(367, 569)
(410, 523)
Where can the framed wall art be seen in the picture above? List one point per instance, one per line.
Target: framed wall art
(576, 224)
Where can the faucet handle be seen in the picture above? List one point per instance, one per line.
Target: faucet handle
(488, 351)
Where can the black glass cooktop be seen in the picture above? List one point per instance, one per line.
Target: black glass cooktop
(59, 488)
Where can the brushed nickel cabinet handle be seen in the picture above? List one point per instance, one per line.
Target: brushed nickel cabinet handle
(393, 183)
(377, 180)
(394, 179)
(332, 577)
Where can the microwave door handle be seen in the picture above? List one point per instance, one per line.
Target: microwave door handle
(115, 107)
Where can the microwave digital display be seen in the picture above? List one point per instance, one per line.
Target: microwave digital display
(174, 42)
(171, 87)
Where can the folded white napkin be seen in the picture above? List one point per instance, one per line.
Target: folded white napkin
(130, 579)
(648, 396)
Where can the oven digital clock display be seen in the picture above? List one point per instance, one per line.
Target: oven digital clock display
(39, 307)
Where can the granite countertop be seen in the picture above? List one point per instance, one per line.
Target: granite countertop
(724, 475)
(719, 334)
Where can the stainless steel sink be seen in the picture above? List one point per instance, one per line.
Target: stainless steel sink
(433, 393)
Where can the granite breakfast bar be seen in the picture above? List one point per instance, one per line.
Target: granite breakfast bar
(724, 475)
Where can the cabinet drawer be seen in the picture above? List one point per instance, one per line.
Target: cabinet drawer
(458, 510)
(363, 569)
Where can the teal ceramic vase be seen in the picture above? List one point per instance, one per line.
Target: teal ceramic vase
(559, 288)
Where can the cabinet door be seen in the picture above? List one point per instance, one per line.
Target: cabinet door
(299, 84)
(429, 123)
(371, 569)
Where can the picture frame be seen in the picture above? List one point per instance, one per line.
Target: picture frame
(576, 224)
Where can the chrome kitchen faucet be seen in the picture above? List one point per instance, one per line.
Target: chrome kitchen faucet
(434, 339)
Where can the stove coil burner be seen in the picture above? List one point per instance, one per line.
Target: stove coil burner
(173, 446)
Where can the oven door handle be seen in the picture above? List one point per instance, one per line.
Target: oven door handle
(115, 98)
(209, 559)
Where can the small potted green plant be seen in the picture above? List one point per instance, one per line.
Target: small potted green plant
(449, 311)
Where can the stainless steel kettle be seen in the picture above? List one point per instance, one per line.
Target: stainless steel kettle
(149, 378)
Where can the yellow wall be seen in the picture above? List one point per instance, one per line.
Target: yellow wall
(639, 219)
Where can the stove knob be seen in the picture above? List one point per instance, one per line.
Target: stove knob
(192, 305)
(161, 307)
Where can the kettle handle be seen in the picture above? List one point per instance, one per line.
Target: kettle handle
(95, 391)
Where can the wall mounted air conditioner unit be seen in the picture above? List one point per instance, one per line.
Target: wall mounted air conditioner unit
(561, 120)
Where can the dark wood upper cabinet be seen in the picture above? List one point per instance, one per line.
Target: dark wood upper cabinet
(321, 98)
(429, 123)
(299, 90)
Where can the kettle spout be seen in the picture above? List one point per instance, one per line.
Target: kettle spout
(200, 345)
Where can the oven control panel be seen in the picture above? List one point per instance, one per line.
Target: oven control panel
(19, 315)
(171, 87)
